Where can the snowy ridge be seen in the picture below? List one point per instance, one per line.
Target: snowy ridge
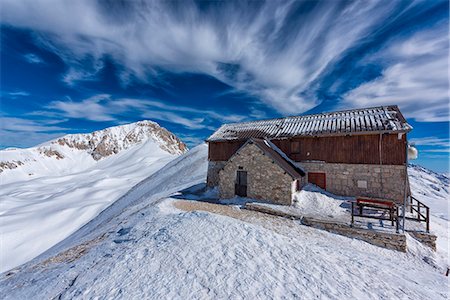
(76, 152)
(59, 186)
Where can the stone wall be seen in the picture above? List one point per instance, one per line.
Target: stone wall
(212, 178)
(425, 238)
(393, 241)
(265, 179)
(385, 181)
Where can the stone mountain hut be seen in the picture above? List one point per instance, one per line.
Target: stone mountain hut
(361, 152)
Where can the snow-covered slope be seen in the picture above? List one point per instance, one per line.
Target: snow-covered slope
(143, 247)
(431, 188)
(60, 185)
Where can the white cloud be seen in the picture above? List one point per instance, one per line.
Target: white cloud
(190, 140)
(28, 125)
(17, 94)
(258, 49)
(103, 107)
(24, 139)
(94, 108)
(437, 150)
(431, 141)
(21, 132)
(417, 79)
(33, 58)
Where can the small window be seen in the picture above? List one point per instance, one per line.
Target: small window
(295, 147)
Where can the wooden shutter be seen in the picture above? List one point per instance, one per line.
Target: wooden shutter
(318, 179)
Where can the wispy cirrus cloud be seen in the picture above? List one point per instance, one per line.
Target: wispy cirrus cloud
(28, 125)
(431, 141)
(14, 94)
(94, 108)
(274, 50)
(22, 132)
(33, 58)
(416, 77)
(104, 107)
(432, 147)
(446, 150)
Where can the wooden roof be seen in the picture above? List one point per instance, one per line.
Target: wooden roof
(357, 121)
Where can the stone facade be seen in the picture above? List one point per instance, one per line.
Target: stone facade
(266, 180)
(214, 167)
(385, 181)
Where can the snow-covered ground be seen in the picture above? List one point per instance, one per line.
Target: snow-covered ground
(64, 193)
(141, 246)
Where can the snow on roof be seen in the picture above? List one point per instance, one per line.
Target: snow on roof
(356, 121)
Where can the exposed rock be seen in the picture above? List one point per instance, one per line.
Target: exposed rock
(112, 140)
(4, 165)
(50, 153)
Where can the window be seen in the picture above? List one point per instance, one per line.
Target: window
(295, 147)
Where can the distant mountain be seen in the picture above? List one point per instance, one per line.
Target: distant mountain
(75, 152)
(49, 191)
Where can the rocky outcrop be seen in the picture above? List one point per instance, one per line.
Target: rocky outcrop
(8, 165)
(51, 152)
(112, 140)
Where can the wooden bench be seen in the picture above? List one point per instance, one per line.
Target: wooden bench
(376, 204)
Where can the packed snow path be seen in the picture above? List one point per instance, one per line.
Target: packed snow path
(143, 247)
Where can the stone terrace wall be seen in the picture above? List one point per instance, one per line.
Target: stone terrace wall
(386, 181)
(425, 238)
(391, 241)
(265, 179)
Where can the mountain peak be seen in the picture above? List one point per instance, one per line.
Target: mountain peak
(111, 140)
(92, 147)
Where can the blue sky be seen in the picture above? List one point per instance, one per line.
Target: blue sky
(79, 66)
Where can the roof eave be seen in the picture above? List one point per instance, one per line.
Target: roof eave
(406, 130)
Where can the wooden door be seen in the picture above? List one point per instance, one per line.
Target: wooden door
(240, 187)
(318, 179)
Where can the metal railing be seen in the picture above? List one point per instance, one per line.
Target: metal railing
(422, 211)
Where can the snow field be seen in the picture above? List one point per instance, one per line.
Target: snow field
(152, 250)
